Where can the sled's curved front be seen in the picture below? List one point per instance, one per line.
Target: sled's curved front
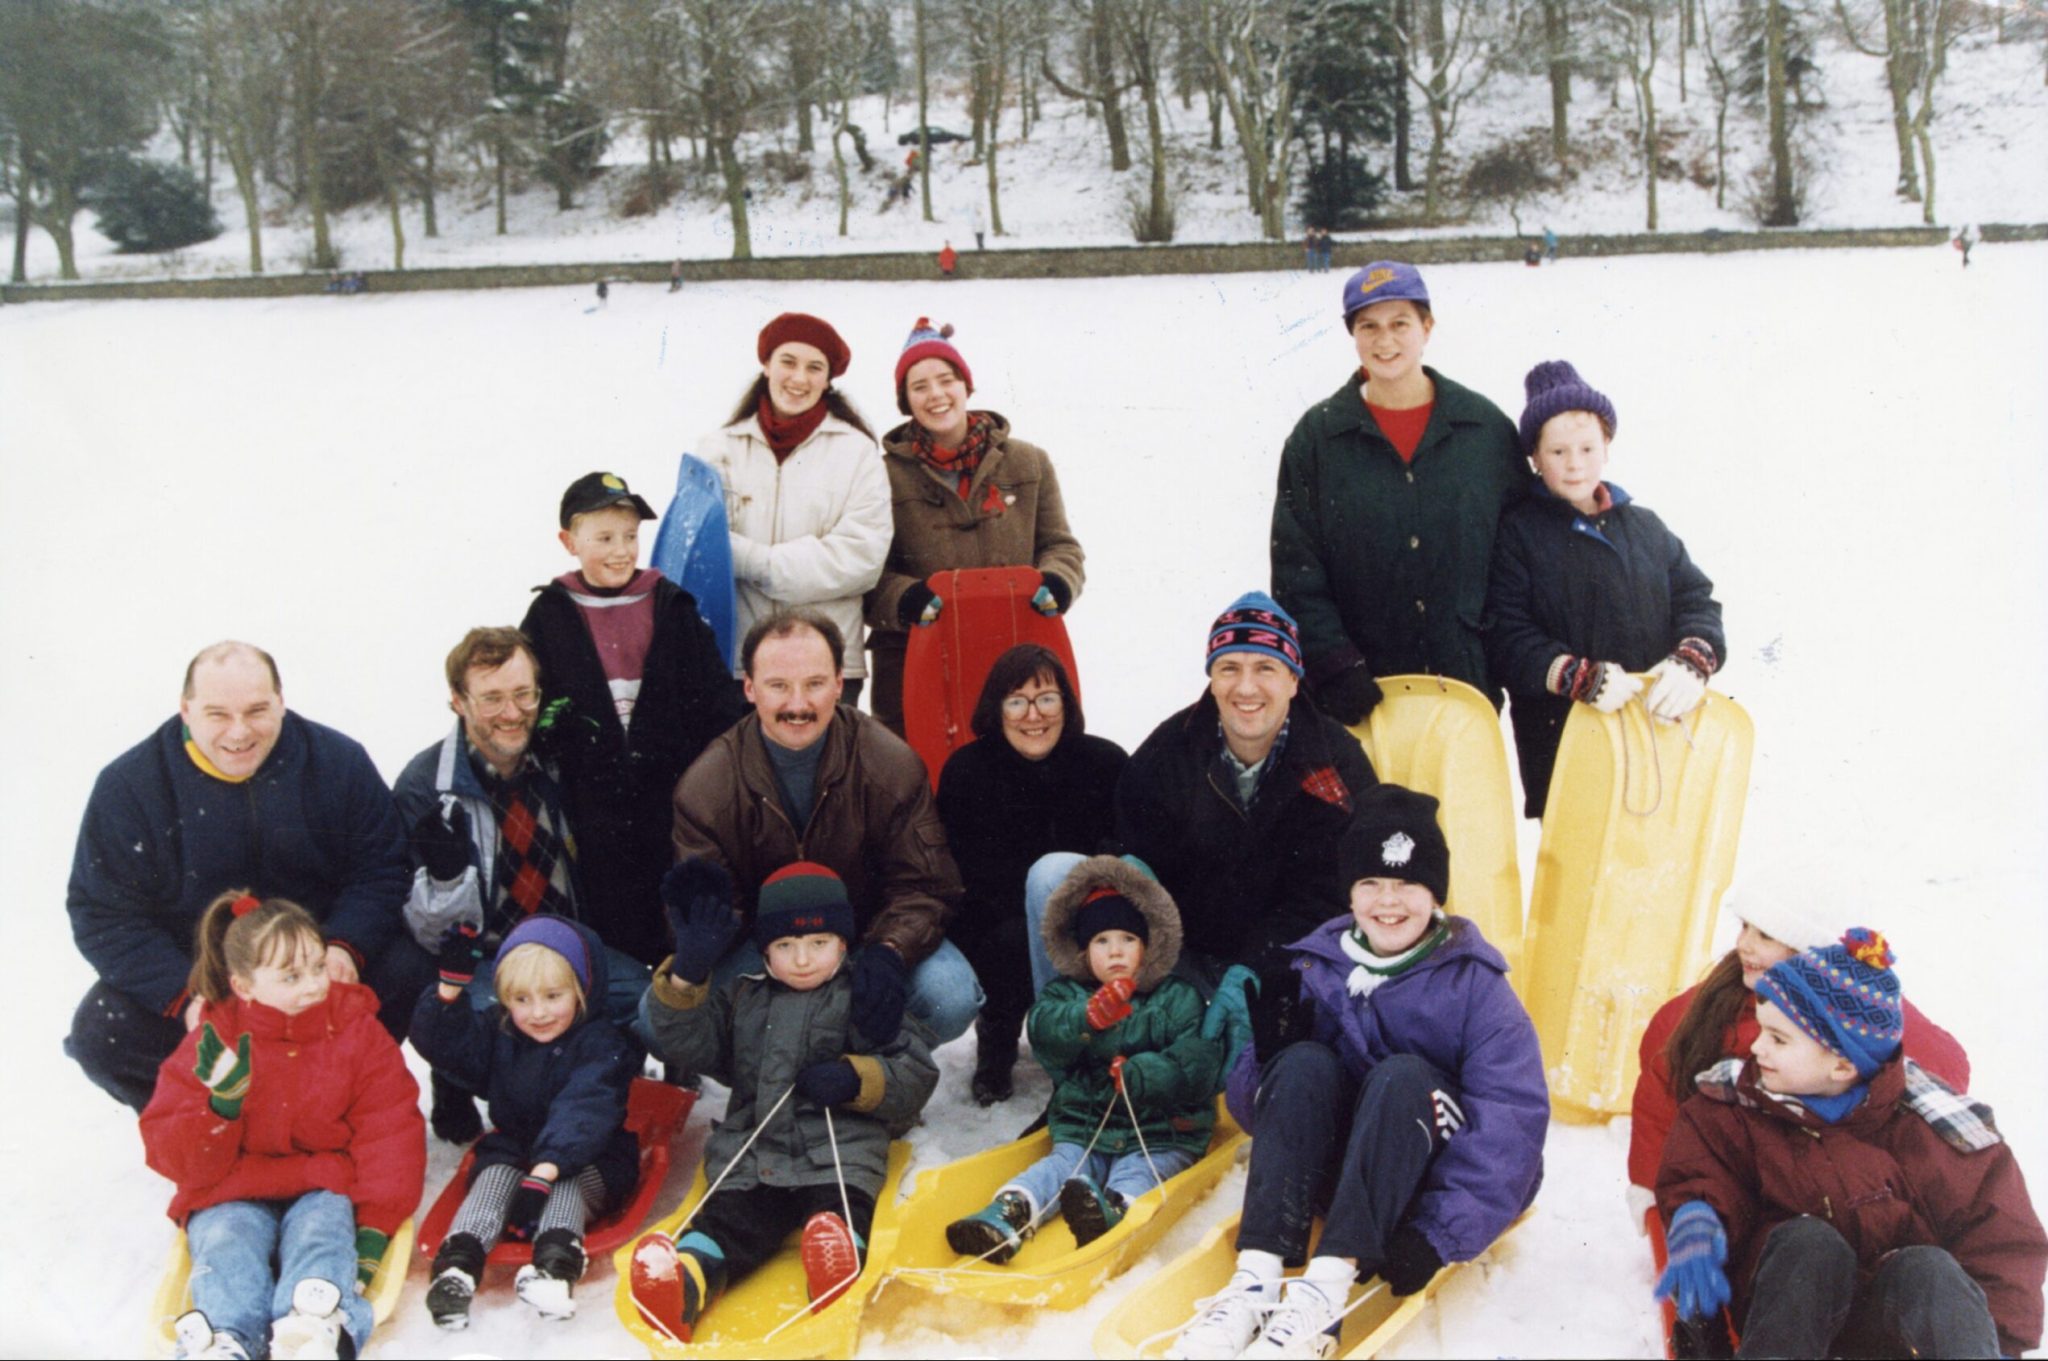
(174, 1292)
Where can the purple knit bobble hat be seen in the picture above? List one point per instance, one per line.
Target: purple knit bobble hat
(558, 935)
(1554, 387)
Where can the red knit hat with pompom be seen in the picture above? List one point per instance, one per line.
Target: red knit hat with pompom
(928, 342)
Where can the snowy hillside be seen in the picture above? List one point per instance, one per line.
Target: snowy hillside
(1057, 189)
(1851, 444)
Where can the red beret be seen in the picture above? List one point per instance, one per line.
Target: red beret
(805, 329)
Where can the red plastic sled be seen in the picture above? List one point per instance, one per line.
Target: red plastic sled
(654, 1110)
(986, 612)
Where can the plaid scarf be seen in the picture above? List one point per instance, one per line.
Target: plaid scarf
(529, 871)
(1968, 1126)
(958, 464)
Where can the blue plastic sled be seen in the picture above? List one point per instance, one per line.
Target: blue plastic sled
(694, 549)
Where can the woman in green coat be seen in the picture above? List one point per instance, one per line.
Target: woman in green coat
(1389, 493)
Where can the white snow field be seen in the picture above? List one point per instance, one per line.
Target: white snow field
(1851, 444)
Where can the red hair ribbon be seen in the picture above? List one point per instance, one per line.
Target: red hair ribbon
(245, 904)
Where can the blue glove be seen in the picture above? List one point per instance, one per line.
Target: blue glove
(880, 989)
(1228, 1013)
(696, 893)
(1698, 1250)
(831, 1083)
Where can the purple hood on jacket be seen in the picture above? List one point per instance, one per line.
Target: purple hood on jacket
(1455, 1010)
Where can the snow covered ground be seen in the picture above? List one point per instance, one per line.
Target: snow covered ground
(1057, 189)
(1852, 445)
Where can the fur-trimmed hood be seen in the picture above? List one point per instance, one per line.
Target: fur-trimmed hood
(1162, 951)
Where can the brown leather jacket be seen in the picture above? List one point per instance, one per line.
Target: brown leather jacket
(873, 823)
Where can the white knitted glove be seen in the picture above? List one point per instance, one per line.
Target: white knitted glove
(1617, 687)
(1675, 690)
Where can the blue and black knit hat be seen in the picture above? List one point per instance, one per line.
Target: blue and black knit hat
(1256, 623)
(803, 898)
(1845, 996)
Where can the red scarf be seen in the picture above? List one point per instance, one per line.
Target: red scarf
(785, 433)
(958, 464)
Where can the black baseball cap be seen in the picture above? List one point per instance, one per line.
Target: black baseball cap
(595, 491)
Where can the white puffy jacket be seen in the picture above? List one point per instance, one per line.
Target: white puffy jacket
(813, 530)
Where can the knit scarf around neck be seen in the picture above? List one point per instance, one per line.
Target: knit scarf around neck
(959, 464)
(1374, 969)
(785, 433)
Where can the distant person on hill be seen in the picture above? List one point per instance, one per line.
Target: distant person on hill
(980, 224)
(948, 260)
(1532, 256)
(604, 292)
(1388, 495)
(675, 277)
(1549, 245)
(1965, 239)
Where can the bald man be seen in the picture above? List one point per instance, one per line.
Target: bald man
(233, 792)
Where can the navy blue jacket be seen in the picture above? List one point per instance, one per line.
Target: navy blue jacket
(161, 839)
(1615, 587)
(562, 1102)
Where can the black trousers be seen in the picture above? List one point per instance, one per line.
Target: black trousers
(1002, 961)
(120, 1043)
(750, 1225)
(1323, 1140)
(1806, 1301)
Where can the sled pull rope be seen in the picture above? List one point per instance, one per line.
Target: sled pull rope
(1656, 761)
(1263, 1306)
(705, 1199)
(835, 1293)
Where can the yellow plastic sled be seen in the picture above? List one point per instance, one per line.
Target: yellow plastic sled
(1049, 1272)
(1638, 847)
(1146, 1323)
(174, 1295)
(1441, 737)
(739, 1322)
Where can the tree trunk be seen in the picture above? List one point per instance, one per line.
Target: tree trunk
(1158, 215)
(1556, 42)
(22, 216)
(1898, 80)
(500, 146)
(1101, 46)
(1432, 173)
(1650, 140)
(243, 161)
(1782, 210)
(397, 225)
(1920, 134)
(735, 195)
(924, 126)
(801, 74)
(56, 219)
(839, 166)
(428, 173)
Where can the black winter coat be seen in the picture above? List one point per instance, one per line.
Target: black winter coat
(1386, 562)
(617, 780)
(563, 1102)
(1615, 587)
(1247, 881)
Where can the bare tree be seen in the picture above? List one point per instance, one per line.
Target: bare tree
(1721, 82)
(244, 61)
(1142, 36)
(1781, 198)
(1557, 64)
(1631, 33)
(1933, 29)
(635, 54)
(1106, 92)
(1897, 51)
(994, 30)
(729, 85)
(1447, 61)
(1251, 47)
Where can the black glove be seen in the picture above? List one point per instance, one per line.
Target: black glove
(1280, 1014)
(831, 1083)
(911, 605)
(879, 991)
(522, 1216)
(696, 893)
(440, 842)
(1061, 593)
(1350, 695)
(462, 947)
(1411, 1261)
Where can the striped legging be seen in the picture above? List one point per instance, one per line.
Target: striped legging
(569, 1205)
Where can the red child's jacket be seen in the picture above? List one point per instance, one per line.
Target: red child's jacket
(1656, 1104)
(1915, 1164)
(330, 1107)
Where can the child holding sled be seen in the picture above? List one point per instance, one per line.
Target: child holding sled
(291, 1128)
(1588, 586)
(805, 1139)
(1134, 1078)
(555, 1071)
(1843, 1200)
(1392, 1018)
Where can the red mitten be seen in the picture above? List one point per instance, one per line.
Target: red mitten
(1111, 1003)
(1116, 1072)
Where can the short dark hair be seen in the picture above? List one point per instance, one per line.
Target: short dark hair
(488, 648)
(1022, 663)
(784, 623)
(220, 652)
(1421, 310)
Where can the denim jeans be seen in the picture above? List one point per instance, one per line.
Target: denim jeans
(1127, 1174)
(1046, 874)
(626, 984)
(943, 991)
(248, 1255)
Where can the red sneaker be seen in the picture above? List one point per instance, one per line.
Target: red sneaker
(658, 1289)
(831, 1256)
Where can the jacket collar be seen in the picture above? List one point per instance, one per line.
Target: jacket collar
(344, 1003)
(1455, 404)
(750, 429)
(759, 776)
(1326, 943)
(455, 770)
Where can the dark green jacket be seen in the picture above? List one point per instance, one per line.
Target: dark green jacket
(1385, 562)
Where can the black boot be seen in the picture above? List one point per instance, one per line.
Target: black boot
(454, 1118)
(457, 1268)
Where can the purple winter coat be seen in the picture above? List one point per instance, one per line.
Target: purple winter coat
(1455, 1010)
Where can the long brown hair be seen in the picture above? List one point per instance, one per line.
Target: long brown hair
(1698, 1042)
(234, 945)
(835, 403)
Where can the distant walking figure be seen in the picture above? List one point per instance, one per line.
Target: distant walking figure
(1966, 238)
(948, 259)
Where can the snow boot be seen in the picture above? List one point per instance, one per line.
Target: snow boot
(832, 1258)
(454, 1116)
(312, 1331)
(458, 1266)
(672, 1288)
(995, 1232)
(1305, 1324)
(1091, 1211)
(197, 1339)
(545, 1282)
(995, 1056)
(1228, 1322)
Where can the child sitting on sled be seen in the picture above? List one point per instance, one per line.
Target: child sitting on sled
(1841, 1198)
(555, 1072)
(292, 1130)
(1394, 1018)
(1588, 586)
(805, 1139)
(1134, 1079)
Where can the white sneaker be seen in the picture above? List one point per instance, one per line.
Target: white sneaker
(548, 1295)
(1301, 1326)
(1226, 1324)
(312, 1330)
(197, 1339)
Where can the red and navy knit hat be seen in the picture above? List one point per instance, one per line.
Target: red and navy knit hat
(928, 342)
(1104, 909)
(1553, 388)
(1256, 623)
(805, 329)
(802, 898)
(1845, 996)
